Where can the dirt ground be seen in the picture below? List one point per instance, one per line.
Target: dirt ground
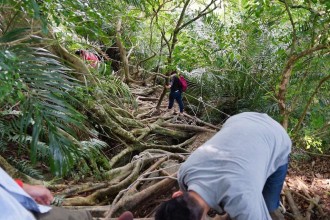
(309, 178)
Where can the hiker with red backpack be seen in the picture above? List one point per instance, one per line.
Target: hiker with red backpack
(177, 85)
(91, 58)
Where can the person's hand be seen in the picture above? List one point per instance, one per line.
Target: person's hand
(167, 86)
(126, 216)
(177, 194)
(39, 193)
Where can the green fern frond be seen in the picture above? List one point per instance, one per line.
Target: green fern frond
(91, 160)
(2, 128)
(117, 91)
(25, 167)
(43, 150)
(94, 144)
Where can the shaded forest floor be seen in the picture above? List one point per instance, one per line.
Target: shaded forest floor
(309, 178)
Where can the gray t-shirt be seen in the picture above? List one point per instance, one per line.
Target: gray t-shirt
(230, 170)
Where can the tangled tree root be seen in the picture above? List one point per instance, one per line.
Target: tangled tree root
(313, 201)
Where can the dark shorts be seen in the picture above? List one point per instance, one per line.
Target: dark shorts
(273, 187)
(59, 213)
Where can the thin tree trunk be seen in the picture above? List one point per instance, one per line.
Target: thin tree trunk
(286, 73)
(123, 56)
(303, 115)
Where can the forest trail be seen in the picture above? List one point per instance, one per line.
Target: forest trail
(305, 196)
(103, 141)
(307, 187)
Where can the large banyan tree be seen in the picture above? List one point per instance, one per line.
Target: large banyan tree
(76, 121)
(102, 135)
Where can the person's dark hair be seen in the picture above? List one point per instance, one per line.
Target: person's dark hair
(78, 52)
(184, 207)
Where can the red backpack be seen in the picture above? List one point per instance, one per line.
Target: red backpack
(183, 83)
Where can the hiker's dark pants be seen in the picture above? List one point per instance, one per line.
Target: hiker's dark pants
(273, 187)
(59, 213)
(175, 95)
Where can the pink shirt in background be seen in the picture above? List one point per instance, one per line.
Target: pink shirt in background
(92, 59)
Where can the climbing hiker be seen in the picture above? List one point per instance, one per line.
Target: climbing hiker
(175, 92)
(240, 171)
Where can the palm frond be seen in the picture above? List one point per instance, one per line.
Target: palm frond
(116, 90)
(137, 3)
(90, 160)
(43, 87)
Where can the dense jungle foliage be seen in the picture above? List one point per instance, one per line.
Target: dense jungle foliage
(237, 55)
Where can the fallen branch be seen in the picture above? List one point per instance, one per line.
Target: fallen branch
(188, 127)
(146, 98)
(202, 122)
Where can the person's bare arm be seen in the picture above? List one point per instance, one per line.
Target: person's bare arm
(177, 194)
(221, 217)
(39, 193)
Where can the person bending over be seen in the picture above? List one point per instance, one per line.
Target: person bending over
(240, 171)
